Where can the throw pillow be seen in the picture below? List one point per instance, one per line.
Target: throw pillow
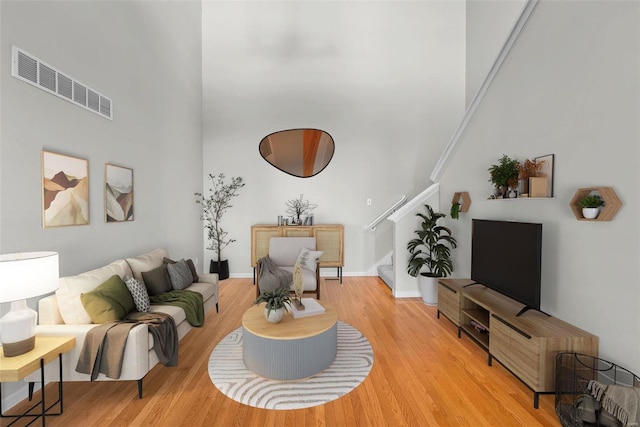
(157, 280)
(191, 265)
(180, 274)
(309, 259)
(139, 294)
(108, 302)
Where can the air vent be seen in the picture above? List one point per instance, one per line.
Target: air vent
(30, 69)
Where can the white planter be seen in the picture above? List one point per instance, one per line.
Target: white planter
(275, 315)
(428, 289)
(590, 213)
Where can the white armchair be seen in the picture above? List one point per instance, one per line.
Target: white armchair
(286, 251)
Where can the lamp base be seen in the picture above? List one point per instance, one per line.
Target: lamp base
(12, 349)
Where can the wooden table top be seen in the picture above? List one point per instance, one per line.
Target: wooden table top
(288, 328)
(47, 348)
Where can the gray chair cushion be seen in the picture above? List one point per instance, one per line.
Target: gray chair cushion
(284, 251)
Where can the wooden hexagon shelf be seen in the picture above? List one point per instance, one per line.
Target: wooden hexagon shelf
(611, 203)
(464, 203)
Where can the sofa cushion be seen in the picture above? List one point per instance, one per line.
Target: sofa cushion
(146, 262)
(68, 293)
(180, 274)
(139, 293)
(309, 259)
(175, 312)
(207, 290)
(191, 266)
(157, 280)
(108, 302)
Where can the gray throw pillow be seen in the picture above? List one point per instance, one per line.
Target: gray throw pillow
(180, 275)
(157, 280)
(139, 294)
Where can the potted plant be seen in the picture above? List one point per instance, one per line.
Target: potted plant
(591, 206)
(504, 173)
(430, 250)
(528, 169)
(277, 302)
(213, 208)
(298, 207)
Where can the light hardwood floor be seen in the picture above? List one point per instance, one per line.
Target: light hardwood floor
(422, 375)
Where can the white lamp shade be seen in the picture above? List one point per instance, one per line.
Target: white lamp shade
(28, 274)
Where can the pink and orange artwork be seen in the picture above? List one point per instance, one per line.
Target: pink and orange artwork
(65, 190)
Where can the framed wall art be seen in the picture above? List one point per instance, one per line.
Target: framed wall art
(65, 190)
(118, 193)
(547, 171)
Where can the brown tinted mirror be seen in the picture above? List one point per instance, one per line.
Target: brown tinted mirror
(298, 152)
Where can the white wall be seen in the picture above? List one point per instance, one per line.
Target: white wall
(385, 79)
(489, 23)
(570, 87)
(147, 58)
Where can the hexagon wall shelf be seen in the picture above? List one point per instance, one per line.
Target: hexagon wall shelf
(611, 203)
(464, 203)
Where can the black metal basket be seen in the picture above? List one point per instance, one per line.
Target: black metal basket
(574, 404)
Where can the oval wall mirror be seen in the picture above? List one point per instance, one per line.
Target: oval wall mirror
(298, 152)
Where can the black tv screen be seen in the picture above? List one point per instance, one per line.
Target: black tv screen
(506, 256)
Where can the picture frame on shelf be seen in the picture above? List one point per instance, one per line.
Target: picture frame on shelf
(547, 171)
(118, 193)
(65, 190)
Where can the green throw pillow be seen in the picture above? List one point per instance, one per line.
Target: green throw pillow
(108, 302)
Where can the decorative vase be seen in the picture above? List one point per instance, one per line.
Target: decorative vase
(590, 213)
(275, 315)
(512, 193)
(428, 288)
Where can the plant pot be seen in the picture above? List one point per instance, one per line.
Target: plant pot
(428, 284)
(590, 213)
(274, 316)
(223, 271)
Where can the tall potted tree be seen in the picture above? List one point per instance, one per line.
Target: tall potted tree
(430, 254)
(213, 208)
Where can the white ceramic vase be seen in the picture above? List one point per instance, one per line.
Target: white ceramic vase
(590, 213)
(275, 315)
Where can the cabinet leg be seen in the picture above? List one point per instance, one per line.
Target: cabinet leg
(459, 332)
(490, 360)
(536, 400)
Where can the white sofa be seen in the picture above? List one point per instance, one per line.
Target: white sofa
(63, 314)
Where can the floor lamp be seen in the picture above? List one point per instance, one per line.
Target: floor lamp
(24, 275)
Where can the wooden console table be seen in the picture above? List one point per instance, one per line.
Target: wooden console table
(329, 240)
(526, 345)
(17, 367)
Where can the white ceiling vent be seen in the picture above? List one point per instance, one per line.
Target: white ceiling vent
(30, 69)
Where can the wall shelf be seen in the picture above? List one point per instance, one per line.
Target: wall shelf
(464, 203)
(611, 203)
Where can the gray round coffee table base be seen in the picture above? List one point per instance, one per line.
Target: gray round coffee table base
(289, 359)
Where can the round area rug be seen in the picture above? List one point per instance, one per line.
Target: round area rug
(353, 363)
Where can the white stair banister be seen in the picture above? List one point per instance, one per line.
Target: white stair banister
(385, 214)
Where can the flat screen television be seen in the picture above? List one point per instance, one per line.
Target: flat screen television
(506, 256)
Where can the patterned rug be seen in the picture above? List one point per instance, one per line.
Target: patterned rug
(353, 363)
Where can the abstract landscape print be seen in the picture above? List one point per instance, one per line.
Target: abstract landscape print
(118, 193)
(65, 190)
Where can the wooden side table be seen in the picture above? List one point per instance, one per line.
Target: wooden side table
(16, 368)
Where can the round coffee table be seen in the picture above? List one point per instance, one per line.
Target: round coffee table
(292, 349)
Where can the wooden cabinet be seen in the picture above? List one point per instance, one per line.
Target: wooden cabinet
(329, 240)
(527, 345)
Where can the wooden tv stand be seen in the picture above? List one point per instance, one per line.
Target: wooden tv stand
(526, 345)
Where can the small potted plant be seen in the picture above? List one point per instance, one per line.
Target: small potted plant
(504, 173)
(277, 301)
(591, 206)
(430, 250)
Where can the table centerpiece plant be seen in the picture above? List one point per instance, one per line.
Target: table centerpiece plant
(277, 302)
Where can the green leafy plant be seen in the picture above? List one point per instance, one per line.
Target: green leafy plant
(213, 208)
(432, 247)
(275, 299)
(505, 172)
(455, 210)
(591, 201)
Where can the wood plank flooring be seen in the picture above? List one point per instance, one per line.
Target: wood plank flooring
(422, 375)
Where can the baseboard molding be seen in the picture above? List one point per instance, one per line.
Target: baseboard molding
(18, 396)
(323, 273)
